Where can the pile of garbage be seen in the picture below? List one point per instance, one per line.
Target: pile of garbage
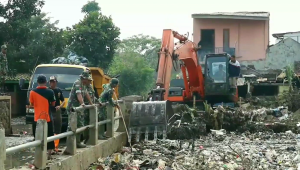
(245, 138)
(262, 150)
(72, 58)
(191, 122)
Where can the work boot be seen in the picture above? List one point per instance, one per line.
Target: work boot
(78, 143)
(86, 137)
(101, 135)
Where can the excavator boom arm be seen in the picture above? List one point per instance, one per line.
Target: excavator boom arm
(154, 116)
(187, 54)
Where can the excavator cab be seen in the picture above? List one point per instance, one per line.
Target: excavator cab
(216, 83)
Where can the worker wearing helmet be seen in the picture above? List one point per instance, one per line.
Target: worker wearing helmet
(106, 96)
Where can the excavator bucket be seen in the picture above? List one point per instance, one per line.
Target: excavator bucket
(150, 117)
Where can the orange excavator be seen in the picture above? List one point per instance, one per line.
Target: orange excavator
(193, 81)
(154, 116)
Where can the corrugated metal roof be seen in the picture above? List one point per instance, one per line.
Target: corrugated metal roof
(236, 14)
(280, 35)
(18, 77)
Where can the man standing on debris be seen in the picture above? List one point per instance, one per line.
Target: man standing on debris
(107, 96)
(41, 99)
(56, 110)
(234, 72)
(3, 66)
(76, 99)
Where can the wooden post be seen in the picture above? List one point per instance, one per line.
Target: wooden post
(110, 126)
(40, 155)
(93, 132)
(122, 127)
(2, 148)
(71, 140)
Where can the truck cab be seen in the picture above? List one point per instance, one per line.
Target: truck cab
(66, 75)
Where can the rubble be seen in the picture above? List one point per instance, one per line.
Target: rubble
(262, 150)
(247, 137)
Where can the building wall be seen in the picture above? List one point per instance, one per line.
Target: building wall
(284, 53)
(249, 37)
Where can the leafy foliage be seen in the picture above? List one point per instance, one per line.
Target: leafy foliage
(28, 34)
(17, 13)
(136, 62)
(136, 76)
(43, 44)
(95, 37)
(145, 45)
(290, 75)
(91, 6)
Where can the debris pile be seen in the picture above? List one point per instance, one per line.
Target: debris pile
(191, 122)
(71, 59)
(218, 150)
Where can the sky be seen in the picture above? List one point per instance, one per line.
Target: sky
(151, 17)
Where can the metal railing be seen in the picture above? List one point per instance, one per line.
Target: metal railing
(41, 139)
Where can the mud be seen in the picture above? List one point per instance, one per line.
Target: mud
(23, 134)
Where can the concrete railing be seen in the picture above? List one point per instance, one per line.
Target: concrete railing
(41, 139)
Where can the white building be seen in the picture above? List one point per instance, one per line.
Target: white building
(293, 35)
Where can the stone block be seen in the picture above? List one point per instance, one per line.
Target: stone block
(5, 114)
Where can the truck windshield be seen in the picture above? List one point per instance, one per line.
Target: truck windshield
(66, 76)
(217, 69)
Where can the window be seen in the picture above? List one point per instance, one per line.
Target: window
(217, 69)
(66, 76)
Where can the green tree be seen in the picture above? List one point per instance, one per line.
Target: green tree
(91, 6)
(17, 31)
(136, 75)
(45, 41)
(95, 37)
(16, 14)
(148, 48)
(145, 45)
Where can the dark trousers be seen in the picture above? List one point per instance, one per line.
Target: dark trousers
(50, 145)
(57, 121)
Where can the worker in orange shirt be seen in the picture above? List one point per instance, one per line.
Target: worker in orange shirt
(42, 98)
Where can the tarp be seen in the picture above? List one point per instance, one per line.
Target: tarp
(71, 59)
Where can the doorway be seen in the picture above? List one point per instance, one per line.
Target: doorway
(207, 42)
(208, 38)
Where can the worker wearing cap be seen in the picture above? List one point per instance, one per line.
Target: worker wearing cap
(76, 99)
(56, 109)
(3, 66)
(106, 96)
